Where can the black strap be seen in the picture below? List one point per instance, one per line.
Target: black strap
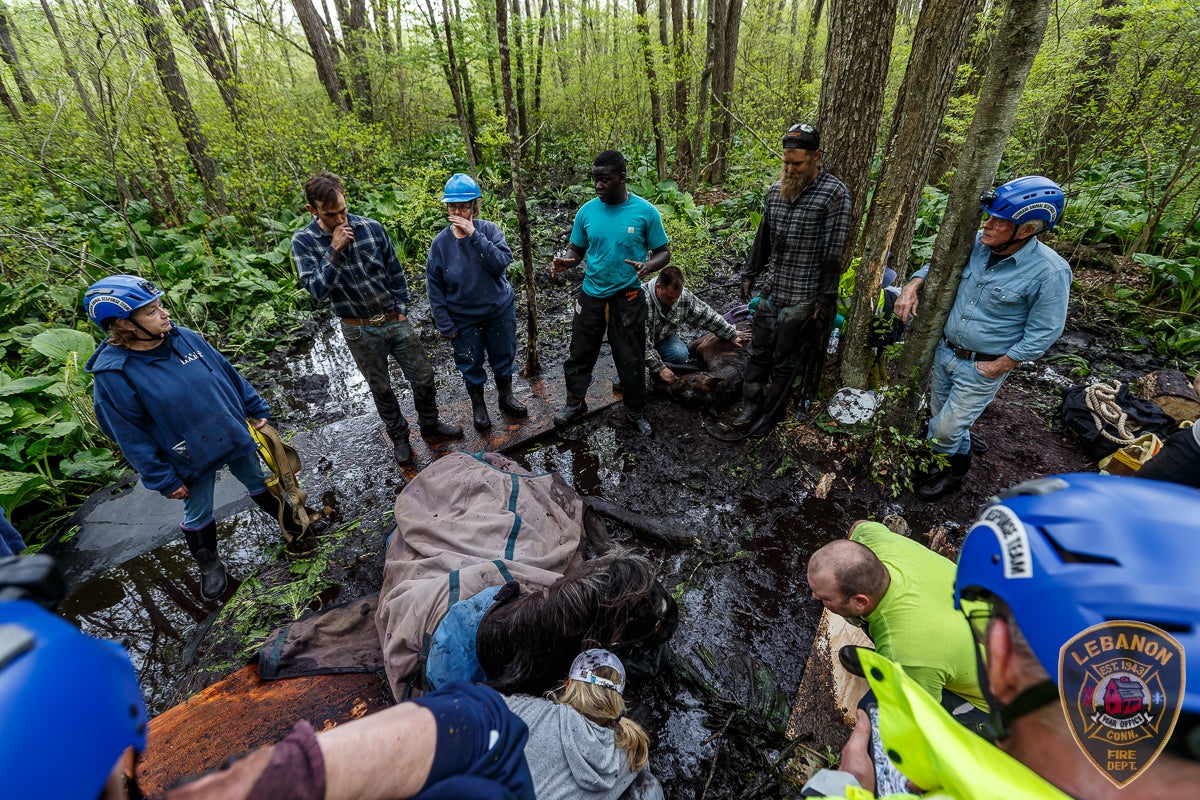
(1029, 700)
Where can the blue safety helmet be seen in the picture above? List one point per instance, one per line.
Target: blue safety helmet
(1072, 551)
(461, 188)
(1024, 200)
(116, 297)
(69, 706)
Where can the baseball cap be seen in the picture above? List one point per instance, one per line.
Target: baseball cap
(583, 668)
(803, 136)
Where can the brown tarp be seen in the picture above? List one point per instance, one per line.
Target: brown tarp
(467, 522)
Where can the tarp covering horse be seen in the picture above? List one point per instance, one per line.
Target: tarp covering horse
(469, 522)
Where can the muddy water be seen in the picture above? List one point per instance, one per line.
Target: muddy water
(718, 710)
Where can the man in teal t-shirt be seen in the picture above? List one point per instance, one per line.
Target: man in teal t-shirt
(904, 593)
(615, 231)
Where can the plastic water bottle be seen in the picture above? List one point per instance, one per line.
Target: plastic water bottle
(835, 338)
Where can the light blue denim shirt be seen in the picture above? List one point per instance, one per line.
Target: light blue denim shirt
(1017, 307)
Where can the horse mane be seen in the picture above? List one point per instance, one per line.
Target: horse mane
(527, 644)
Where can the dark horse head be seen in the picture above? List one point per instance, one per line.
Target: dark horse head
(526, 644)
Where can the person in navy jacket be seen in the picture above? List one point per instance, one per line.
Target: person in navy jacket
(177, 409)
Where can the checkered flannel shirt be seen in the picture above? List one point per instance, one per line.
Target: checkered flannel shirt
(363, 280)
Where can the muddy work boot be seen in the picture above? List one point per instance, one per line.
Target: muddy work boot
(436, 429)
(575, 408)
(402, 450)
(943, 481)
(750, 411)
(479, 412)
(203, 545)
(640, 424)
(508, 403)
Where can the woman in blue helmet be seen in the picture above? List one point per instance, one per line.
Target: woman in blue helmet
(472, 301)
(177, 409)
(1082, 593)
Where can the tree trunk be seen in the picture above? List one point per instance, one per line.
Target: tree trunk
(656, 115)
(518, 66)
(810, 42)
(464, 77)
(194, 20)
(857, 57)
(725, 22)
(318, 42)
(1071, 127)
(938, 42)
(537, 82)
(181, 105)
(356, 33)
(450, 73)
(8, 101)
(9, 54)
(532, 362)
(69, 64)
(1016, 45)
(684, 159)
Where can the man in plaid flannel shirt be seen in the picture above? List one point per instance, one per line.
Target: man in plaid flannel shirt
(670, 305)
(805, 224)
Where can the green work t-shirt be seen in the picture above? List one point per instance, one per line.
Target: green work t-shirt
(609, 234)
(916, 624)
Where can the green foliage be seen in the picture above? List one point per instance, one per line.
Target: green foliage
(1178, 277)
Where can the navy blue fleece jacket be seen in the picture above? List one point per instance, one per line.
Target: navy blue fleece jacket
(178, 411)
(465, 277)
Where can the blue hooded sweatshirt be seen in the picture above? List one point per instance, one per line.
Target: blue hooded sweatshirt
(465, 277)
(177, 412)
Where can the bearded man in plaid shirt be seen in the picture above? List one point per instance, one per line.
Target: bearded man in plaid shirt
(805, 223)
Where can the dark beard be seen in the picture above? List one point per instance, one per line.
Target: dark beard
(791, 185)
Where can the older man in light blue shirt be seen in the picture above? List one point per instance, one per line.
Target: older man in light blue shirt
(1010, 307)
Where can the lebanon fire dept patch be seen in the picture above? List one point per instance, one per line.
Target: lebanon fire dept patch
(1122, 688)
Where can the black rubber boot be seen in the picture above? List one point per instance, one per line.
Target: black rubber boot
(946, 480)
(641, 424)
(440, 430)
(508, 403)
(763, 425)
(203, 544)
(479, 411)
(575, 408)
(750, 411)
(402, 450)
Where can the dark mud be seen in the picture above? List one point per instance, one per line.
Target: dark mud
(719, 710)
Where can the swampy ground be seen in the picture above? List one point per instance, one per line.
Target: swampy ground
(755, 509)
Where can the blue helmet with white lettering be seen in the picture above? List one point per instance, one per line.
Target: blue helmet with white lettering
(1069, 552)
(117, 297)
(1032, 198)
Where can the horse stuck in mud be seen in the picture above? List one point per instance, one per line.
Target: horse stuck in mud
(488, 575)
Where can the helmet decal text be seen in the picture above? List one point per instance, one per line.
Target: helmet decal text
(1122, 688)
(1014, 540)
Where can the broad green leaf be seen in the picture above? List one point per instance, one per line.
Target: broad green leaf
(19, 487)
(58, 344)
(29, 385)
(89, 463)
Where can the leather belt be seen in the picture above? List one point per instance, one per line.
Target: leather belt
(376, 320)
(969, 355)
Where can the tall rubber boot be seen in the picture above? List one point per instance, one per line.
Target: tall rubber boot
(944, 481)
(752, 403)
(203, 544)
(508, 403)
(479, 412)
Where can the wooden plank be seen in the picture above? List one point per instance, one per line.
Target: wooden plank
(242, 712)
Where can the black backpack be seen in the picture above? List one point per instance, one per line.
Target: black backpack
(1143, 417)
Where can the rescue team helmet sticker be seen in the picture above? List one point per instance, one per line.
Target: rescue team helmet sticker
(1121, 684)
(1014, 540)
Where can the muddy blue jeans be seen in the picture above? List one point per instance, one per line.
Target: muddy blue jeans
(957, 397)
(198, 505)
(496, 338)
(672, 349)
(371, 345)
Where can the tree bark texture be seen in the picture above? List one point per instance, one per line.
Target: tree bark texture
(857, 57)
(8, 53)
(656, 114)
(193, 18)
(1017, 43)
(322, 53)
(356, 34)
(532, 362)
(464, 76)
(679, 109)
(725, 22)
(517, 72)
(8, 101)
(937, 46)
(810, 41)
(450, 72)
(539, 63)
(180, 103)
